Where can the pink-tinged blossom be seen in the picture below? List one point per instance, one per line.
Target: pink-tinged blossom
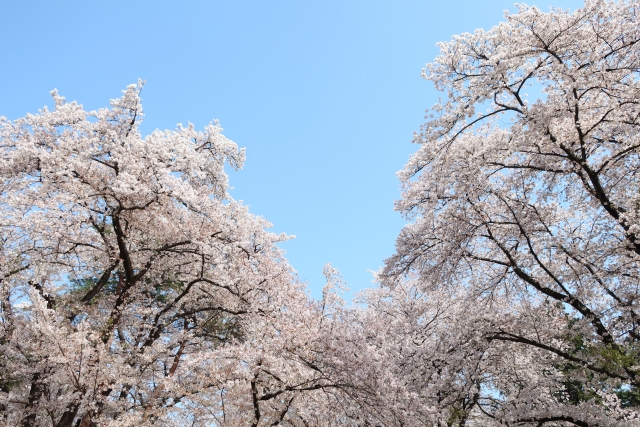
(512, 298)
(135, 291)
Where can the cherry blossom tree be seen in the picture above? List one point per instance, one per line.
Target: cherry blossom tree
(513, 295)
(135, 291)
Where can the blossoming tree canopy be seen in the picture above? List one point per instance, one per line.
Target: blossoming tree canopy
(134, 291)
(133, 287)
(518, 277)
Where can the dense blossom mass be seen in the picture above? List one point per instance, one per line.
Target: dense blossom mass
(135, 291)
(513, 297)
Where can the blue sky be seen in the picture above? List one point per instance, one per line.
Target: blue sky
(324, 95)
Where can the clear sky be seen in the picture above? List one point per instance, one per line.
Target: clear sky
(324, 95)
